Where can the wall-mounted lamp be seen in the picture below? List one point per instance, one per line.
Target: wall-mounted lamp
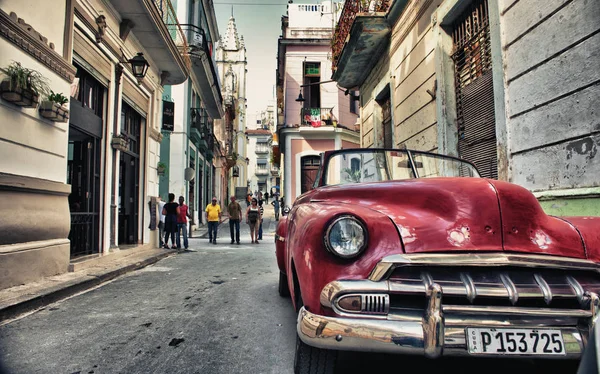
(352, 96)
(300, 98)
(139, 66)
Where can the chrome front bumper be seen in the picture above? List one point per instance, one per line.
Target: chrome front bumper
(440, 330)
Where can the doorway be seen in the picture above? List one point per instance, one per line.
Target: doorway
(308, 174)
(83, 174)
(129, 177)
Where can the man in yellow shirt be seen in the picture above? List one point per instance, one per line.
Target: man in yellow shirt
(213, 216)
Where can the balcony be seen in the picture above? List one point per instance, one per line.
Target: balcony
(317, 117)
(200, 130)
(360, 38)
(261, 172)
(274, 171)
(205, 70)
(262, 150)
(155, 25)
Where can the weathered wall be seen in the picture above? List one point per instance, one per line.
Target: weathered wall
(552, 73)
(413, 70)
(370, 111)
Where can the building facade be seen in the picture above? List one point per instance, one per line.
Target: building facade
(232, 66)
(508, 85)
(316, 115)
(99, 178)
(191, 150)
(259, 166)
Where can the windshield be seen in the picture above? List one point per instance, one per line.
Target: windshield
(383, 165)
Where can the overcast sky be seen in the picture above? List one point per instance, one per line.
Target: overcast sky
(259, 22)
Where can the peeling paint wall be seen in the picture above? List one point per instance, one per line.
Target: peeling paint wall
(552, 74)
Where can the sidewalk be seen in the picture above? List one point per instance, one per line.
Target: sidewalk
(85, 275)
(17, 300)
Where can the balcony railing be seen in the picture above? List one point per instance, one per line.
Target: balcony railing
(344, 25)
(274, 171)
(262, 150)
(262, 171)
(317, 117)
(199, 121)
(169, 17)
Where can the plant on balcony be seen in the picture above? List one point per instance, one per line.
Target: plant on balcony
(22, 86)
(120, 142)
(161, 168)
(54, 107)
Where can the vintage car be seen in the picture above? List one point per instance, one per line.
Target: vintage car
(400, 251)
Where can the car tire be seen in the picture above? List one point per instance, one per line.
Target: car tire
(284, 290)
(312, 360)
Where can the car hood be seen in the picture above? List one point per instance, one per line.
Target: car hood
(463, 214)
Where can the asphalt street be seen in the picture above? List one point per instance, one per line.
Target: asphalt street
(214, 309)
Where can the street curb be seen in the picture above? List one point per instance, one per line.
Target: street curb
(41, 301)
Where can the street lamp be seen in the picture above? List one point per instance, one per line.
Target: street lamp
(139, 66)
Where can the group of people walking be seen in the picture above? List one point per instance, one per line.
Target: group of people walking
(174, 219)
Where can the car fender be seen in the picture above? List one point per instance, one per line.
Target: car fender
(314, 265)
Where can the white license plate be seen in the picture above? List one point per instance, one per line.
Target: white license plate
(515, 341)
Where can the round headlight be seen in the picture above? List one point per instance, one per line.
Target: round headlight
(346, 237)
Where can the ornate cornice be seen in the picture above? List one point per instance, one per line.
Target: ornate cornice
(22, 35)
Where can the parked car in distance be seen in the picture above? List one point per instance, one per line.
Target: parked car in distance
(409, 252)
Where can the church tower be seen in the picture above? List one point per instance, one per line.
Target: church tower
(232, 65)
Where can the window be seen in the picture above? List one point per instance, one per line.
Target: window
(312, 90)
(353, 102)
(89, 91)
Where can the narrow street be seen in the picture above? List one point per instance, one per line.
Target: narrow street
(214, 309)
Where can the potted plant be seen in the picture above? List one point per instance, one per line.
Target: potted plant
(53, 108)
(231, 159)
(161, 168)
(22, 86)
(120, 142)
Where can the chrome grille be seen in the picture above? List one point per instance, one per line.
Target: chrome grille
(525, 287)
(375, 303)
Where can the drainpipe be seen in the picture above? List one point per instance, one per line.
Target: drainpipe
(113, 192)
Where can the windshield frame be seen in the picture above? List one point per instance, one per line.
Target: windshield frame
(326, 156)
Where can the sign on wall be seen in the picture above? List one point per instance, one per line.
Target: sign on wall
(168, 116)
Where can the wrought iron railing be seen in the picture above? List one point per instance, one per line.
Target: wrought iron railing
(83, 234)
(169, 17)
(317, 117)
(342, 29)
(199, 121)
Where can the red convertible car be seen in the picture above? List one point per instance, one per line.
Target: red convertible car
(409, 252)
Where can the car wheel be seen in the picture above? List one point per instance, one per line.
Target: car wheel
(284, 290)
(313, 360)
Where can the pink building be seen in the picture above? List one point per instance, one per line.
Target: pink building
(314, 114)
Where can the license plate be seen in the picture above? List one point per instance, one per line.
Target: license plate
(515, 341)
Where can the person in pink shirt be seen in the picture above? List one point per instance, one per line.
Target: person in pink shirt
(182, 220)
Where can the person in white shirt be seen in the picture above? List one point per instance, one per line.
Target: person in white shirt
(161, 222)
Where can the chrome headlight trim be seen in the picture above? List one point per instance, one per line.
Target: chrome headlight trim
(330, 226)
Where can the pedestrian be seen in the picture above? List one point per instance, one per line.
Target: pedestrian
(267, 197)
(262, 213)
(161, 221)
(248, 199)
(275, 204)
(213, 216)
(171, 211)
(235, 215)
(182, 221)
(281, 205)
(253, 219)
